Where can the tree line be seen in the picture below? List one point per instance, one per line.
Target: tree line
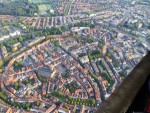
(18, 8)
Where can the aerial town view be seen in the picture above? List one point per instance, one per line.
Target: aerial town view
(68, 56)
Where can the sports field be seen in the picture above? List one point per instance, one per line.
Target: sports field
(43, 5)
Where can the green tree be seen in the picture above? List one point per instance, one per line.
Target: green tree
(89, 40)
(1, 70)
(1, 63)
(37, 103)
(14, 50)
(28, 109)
(16, 85)
(20, 39)
(4, 23)
(108, 54)
(66, 106)
(92, 101)
(63, 28)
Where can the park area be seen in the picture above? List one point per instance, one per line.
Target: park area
(44, 7)
(39, 1)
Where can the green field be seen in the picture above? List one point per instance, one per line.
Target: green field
(44, 7)
(39, 1)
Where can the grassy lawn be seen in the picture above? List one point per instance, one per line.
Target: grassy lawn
(38, 1)
(59, 95)
(44, 7)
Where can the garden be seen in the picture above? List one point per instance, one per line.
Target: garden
(72, 86)
(94, 55)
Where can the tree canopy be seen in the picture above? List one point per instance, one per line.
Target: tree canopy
(19, 8)
(1, 63)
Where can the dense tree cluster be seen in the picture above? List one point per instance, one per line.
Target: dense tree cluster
(107, 77)
(94, 55)
(42, 78)
(82, 24)
(72, 86)
(77, 101)
(49, 31)
(16, 85)
(65, 75)
(29, 81)
(58, 94)
(101, 43)
(18, 65)
(18, 7)
(6, 99)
